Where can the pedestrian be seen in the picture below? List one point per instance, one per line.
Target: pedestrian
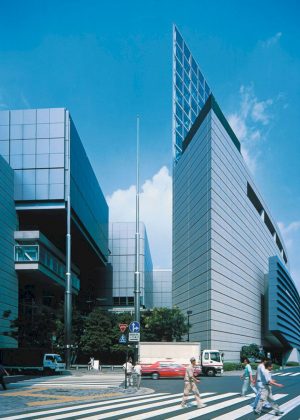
(190, 385)
(128, 371)
(266, 392)
(91, 363)
(247, 376)
(138, 372)
(258, 382)
(3, 373)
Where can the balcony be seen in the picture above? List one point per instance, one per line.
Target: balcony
(34, 253)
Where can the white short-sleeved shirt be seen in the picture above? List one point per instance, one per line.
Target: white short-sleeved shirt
(260, 372)
(128, 368)
(138, 369)
(266, 377)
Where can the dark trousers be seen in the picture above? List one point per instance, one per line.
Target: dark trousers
(2, 382)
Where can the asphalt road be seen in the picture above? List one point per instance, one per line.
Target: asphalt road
(233, 384)
(72, 398)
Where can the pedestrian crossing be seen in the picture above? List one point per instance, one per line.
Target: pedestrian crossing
(286, 374)
(92, 381)
(218, 406)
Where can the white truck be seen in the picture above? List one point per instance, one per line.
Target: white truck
(209, 360)
(48, 363)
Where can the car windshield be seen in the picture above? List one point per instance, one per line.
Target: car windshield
(215, 356)
(58, 359)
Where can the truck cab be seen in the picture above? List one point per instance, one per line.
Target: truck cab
(53, 363)
(211, 362)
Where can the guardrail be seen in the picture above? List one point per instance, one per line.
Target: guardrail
(102, 368)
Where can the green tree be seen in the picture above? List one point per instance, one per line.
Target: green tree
(97, 335)
(250, 351)
(34, 330)
(163, 324)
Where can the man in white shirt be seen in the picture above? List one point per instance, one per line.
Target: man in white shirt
(128, 370)
(258, 381)
(138, 372)
(266, 392)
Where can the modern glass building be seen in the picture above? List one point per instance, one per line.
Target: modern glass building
(122, 259)
(190, 91)
(8, 275)
(162, 288)
(46, 156)
(223, 237)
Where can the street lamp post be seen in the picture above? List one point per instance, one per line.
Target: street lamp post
(137, 280)
(189, 313)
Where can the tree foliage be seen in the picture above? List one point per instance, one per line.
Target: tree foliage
(164, 324)
(98, 333)
(250, 351)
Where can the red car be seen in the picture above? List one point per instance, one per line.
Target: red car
(164, 370)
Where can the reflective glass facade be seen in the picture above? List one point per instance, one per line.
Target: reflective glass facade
(122, 258)
(190, 91)
(33, 142)
(162, 288)
(36, 143)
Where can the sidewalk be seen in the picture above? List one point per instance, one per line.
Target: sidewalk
(23, 396)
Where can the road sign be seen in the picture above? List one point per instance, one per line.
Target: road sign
(123, 339)
(134, 337)
(134, 327)
(123, 327)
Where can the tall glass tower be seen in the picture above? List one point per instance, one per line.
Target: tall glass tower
(190, 92)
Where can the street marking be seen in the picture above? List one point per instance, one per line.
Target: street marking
(210, 409)
(236, 414)
(178, 408)
(118, 401)
(287, 407)
(53, 399)
(170, 399)
(70, 399)
(285, 374)
(154, 406)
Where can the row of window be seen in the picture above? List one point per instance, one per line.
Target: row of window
(260, 209)
(32, 116)
(32, 131)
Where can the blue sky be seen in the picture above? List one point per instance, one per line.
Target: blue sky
(108, 62)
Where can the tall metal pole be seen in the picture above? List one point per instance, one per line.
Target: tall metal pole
(137, 282)
(68, 289)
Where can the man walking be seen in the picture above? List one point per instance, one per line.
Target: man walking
(266, 392)
(190, 385)
(258, 381)
(247, 376)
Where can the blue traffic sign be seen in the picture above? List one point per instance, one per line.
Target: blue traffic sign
(123, 339)
(134, 327)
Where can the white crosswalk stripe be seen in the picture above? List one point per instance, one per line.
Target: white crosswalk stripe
(103, 381)
(244, 410)
(286, 374)
(286, 408)
(160, 405)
